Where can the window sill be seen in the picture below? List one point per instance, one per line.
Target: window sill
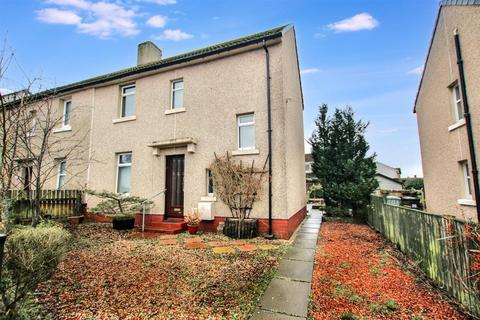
(466, 202)
(457, 124)
(62, 129)
(245, 152)
(177, 110)
(208, 199)
(124, 119)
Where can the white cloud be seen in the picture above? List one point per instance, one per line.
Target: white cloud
(174, 35)
(55, 16)
(392, 130)
(418, 70)
(309, 70)
(157, 21)
(4, 91)
(101, 18)
(361, 21)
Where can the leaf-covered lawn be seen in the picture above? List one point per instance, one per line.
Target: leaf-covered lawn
(358, 274)
(110, 276)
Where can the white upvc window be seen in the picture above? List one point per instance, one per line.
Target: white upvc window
(67, 106)
(457, 102)
(124, 172)
(210, 192)
(62, 174)
(308, 167)
(128, 101)
(467, 180)
(246, 131)
(177, 94)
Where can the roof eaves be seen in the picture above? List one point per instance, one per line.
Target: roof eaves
(181, 58)
(459, 2)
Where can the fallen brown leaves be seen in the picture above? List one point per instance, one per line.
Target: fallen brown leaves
(356, 275)
(119, 278)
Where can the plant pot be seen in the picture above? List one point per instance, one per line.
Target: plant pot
(192, 229)
(75, 220)
(240, 229)
(123, 223)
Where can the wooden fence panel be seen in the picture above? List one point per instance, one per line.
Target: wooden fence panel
(427, 239)
(55, 203)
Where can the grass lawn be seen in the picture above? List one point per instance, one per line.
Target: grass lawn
(110, 275)
(359, 275)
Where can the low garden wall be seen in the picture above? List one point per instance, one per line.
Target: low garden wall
(439, 245)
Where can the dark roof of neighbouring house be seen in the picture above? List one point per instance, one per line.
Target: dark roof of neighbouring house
(443, 3)
(459, 2)
(184, 57)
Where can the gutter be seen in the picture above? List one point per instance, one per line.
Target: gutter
(468, 122)
(269, 131)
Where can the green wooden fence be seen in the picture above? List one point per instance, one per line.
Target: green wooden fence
(55, 203)
(437, 244)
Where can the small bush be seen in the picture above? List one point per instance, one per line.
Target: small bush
(337, 212)
(349, 316)
(31, 257)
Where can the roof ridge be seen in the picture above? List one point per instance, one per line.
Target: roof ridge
(182, 57)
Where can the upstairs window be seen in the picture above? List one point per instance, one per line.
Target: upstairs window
(457, 102)
(246, 131)
(67, 105)
(62, 173)
(128, 101)
(124, 172)
(177, 94)
(33, 123)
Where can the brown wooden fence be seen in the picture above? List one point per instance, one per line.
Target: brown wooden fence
(436, 243)
(55, 203)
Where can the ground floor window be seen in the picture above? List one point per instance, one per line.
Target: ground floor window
(467, 179)
(62, 173)
(124, 173)
(209, 183)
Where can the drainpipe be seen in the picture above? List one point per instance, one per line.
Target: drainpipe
(269, 131)
(468, 122)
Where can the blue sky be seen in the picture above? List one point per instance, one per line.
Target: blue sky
(362, 53)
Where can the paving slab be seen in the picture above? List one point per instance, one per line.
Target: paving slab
(295, 270)
(305, 243)
(167, 241)
(307, 236)
(247, 247)
(301, 254)
(195, 245)
(267, 247)
(221, 250)
(311, 225)
(192, 240)
(308, 230)
(285, 296)
(268, 315)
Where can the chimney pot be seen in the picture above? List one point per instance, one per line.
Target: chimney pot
(148, 52)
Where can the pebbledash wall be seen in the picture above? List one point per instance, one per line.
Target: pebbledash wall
(443, 138)
(217, 88)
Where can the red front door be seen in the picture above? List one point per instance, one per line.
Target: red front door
(174, 195)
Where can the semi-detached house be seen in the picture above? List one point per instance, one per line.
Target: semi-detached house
(156, 126)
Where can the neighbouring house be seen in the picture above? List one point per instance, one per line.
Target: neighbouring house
(440, 109)
(388, 177)
(157, 125)
(309, 175)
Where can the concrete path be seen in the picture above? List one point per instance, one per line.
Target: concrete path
(287, 296)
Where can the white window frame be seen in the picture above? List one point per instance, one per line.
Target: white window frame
(123, 94)
(121, 165)
(456, 100)
(172, 90)
(245, 124)
(66, 117)
(467, 178)
(208, 174)
(60, 174)
(308, 167)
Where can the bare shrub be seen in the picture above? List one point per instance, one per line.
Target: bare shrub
(237, 185)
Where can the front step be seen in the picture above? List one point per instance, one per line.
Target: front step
(169, 226)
